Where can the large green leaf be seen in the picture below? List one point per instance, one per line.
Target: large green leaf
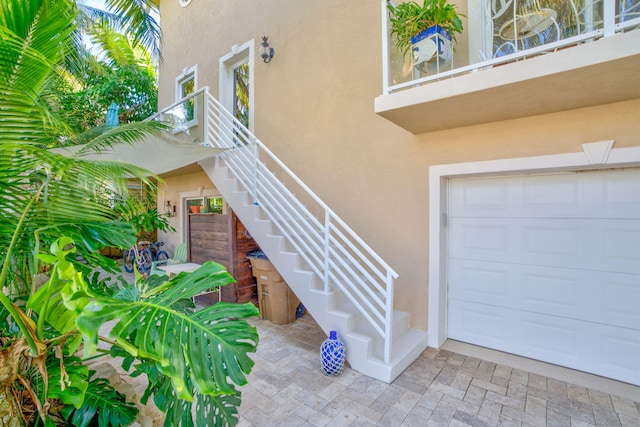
(104, 403)
(209, 410)
(209, 347)
(69, 385)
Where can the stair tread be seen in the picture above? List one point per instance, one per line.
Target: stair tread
(335, 308)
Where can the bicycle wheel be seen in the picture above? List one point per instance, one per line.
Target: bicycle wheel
(144, 260)
(128, 259)
(162, 255)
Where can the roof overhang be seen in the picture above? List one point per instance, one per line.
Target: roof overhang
(162, 154)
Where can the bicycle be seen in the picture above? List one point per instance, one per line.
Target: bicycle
(157, 253)
(142, 255)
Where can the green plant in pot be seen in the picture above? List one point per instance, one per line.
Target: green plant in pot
(408, 20)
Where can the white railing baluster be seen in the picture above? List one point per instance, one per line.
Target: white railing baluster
(256, 160)
(327, 232)
(338, 256)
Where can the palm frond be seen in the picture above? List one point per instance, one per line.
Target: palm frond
(34, 37)
(137, 18)
(32, 43)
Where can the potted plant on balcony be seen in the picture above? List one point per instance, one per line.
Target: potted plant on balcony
(427, 30)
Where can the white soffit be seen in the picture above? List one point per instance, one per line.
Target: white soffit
(159, 154)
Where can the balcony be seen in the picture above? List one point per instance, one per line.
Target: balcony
(587, 53)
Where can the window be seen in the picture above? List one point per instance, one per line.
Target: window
(241, 93)
(236, 86)
(195, 201)
(215, 204)
(186, 84)
(510, 26)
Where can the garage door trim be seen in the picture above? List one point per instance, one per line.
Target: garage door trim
(438, 178)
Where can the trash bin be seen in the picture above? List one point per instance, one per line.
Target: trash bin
(276, 301)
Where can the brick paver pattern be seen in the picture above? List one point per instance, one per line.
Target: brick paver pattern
(441, 388)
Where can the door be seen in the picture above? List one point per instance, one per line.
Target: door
(236, 87)
(548, 267)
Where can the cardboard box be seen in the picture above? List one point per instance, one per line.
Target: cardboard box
(277, 303)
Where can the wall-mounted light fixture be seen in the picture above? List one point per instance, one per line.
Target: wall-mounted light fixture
(169, 209)
(266, 52)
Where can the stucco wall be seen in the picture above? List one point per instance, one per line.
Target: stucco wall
(314, 109)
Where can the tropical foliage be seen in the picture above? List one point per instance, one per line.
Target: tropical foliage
(410, 18)
(113, 70)
(58, 212)
(136, 18)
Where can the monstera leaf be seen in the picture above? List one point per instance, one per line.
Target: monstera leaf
(210, 411)
(208, 349)
(103, 402)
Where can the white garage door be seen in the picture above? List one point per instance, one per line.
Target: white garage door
(548, 267)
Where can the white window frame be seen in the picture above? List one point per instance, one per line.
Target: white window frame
(237, 56)
(188, 73)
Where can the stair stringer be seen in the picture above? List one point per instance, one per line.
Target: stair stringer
(331, 310)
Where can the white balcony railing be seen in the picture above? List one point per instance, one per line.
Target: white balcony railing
(492, 36)
(335, 253)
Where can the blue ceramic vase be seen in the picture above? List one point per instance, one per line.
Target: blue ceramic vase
(332, 355)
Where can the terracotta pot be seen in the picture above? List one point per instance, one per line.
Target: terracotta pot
(195, 209)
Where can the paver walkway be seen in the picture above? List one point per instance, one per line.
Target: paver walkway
(441, 388)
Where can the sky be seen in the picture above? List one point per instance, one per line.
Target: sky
(98, 4)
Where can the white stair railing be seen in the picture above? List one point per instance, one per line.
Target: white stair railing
(332, 250)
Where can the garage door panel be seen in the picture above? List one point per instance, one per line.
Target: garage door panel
(620, 194)
(478, 324)
(621, 246)
(619, 353)
(603, 244)
(480, 282)
(593, 194)
(619, 300)
(592, 296)
(600, 349)
(548, 267)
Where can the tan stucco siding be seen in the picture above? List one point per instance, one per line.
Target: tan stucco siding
(314, 108)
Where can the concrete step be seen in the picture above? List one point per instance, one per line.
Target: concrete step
(331, 309)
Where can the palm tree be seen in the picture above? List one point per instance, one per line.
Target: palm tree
(135, 18)
(57, 213)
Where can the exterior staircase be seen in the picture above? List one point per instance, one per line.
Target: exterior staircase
(340, 280)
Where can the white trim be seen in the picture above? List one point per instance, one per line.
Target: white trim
(438, 189)
(187, 74)
(237, 56)
(182, 217)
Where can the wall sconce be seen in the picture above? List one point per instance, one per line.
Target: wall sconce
(169, 209)
(266, 52)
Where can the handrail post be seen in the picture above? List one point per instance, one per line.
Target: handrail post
(255, 170)
(609, 17)
(327, 231)
(385, 47)
(205, 110)
(388, 327)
